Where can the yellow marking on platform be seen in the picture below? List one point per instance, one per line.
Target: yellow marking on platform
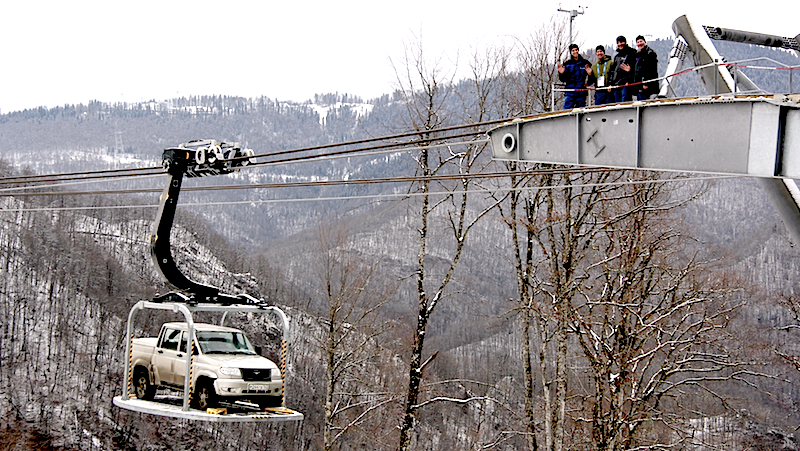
(278, 410)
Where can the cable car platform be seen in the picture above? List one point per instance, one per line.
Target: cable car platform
(175, 410)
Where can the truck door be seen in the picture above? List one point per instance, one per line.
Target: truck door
(179, 362)
(165, 354)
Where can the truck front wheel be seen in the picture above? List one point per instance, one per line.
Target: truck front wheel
(204, 395)
(142, 386)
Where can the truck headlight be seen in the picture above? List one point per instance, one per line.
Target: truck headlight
(228, 371)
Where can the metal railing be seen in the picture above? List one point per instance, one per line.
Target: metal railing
(733, 66)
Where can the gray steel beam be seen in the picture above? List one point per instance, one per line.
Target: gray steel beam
(753, 136)
(749, 136)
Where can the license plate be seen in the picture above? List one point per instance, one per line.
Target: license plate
(256, 387)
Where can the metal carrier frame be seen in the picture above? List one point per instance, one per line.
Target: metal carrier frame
(130, 402)
(199, 158)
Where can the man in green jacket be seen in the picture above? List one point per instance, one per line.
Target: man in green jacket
(600, 77)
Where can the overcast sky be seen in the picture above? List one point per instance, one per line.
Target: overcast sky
(59, 52)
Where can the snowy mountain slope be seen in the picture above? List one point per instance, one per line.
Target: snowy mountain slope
(69, 281)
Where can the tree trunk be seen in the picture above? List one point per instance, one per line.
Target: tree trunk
(415, 366)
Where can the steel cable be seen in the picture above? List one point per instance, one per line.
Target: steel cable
(374, 196)
(110, 173)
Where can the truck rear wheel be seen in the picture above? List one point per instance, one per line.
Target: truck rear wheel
(204, 395)
(143, 389)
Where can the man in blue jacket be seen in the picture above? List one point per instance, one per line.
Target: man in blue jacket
(573, 73)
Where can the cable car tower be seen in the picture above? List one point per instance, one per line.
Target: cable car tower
(737, 129)
(196, 159)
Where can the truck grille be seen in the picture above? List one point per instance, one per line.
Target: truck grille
(256, 374)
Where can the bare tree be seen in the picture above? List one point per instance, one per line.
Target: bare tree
(790, 356)
(426, 91)
(535, 72)
(521, 210)
(605, 263)
(550, 215)
(354, 294)
(651, 320)
(484, 93)
(527, 88)
(563, 230)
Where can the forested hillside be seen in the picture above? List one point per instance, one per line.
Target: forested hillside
(549, 307)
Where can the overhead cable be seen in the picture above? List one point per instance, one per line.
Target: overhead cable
(14, 191)
(72, 175)
(374, 150)
(315, 183)
(111, 172)
(378, 196)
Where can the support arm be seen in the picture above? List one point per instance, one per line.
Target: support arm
(160, 246)
(193, 159)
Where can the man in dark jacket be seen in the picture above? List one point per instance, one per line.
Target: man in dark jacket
(645, 70)
(573, 73)
(622, 70)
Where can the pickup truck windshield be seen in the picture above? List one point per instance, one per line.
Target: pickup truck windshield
(212, 342)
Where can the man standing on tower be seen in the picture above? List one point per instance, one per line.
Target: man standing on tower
(573, 73)
(622, 70)
(646, 70)
(600, 77)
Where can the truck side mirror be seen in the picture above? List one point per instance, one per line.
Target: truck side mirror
(258, 350)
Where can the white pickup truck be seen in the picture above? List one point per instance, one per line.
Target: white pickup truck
(225, 367)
